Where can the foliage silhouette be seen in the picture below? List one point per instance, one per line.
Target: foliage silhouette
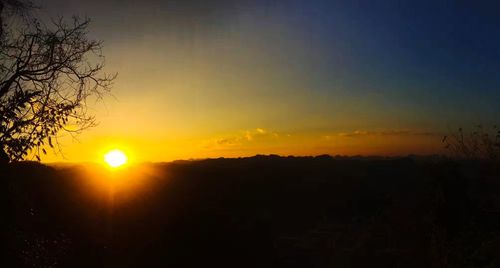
(482, 143)
(47, 74)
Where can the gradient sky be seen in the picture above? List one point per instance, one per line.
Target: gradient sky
(226, 78)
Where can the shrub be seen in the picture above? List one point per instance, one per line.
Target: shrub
(482, 143)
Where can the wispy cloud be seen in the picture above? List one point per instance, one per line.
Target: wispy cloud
(227, 142)
(393, 132)
(244, 137)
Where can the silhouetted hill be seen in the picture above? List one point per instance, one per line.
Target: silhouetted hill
(262, 211)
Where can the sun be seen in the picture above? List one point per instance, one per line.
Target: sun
(115, 158)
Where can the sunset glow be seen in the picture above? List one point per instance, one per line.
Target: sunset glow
(249, 133)
(302, 78)
(115, 158)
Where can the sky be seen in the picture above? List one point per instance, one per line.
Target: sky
(225, 78)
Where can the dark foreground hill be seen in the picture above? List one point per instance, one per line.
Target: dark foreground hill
(254, 212)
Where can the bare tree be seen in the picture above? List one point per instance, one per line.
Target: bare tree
(47, 74)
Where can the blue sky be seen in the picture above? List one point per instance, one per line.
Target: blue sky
(206, 69)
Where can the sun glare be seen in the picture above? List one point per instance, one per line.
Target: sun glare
(115, 158)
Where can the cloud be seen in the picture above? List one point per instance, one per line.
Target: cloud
(260, 130)
(242, 138)
(228, 141)
(248, 135)
(396, 132)
(251, 134)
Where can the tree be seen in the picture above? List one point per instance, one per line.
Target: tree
(47, 74)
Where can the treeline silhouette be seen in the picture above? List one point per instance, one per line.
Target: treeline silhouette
(263, 211)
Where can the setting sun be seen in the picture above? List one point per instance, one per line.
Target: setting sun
(115, 158)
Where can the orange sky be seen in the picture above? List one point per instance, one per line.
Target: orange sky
(256, 77)
(92, 145)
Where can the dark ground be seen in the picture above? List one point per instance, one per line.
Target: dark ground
(254, 212)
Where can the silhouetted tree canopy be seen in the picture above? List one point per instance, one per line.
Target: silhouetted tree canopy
(47, 73)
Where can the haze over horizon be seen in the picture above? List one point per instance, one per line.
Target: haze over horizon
(226, 78)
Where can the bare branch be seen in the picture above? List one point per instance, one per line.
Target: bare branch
(47, 76)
